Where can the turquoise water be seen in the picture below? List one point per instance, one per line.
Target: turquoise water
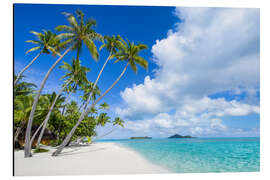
(199, 154)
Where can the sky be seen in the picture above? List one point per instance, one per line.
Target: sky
(204, 67)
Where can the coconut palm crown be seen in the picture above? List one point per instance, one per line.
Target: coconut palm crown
(47, 42)
(79, 32)
(76, 73)
(129, 52)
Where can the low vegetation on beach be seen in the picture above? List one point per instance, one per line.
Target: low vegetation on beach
(53, 118)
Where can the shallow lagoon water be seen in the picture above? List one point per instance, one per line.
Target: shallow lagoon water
(193, 155)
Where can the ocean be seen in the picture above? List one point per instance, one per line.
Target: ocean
(199, 155)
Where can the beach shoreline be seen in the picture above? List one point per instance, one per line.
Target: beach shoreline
(95, 159)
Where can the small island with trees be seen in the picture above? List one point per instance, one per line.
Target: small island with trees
(145, 137)
(179, 136)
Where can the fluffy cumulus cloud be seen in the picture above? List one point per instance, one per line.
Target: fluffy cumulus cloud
(211, 50)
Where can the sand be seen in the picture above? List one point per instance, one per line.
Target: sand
(97, 158)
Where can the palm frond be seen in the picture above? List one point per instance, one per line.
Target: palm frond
(33, 49)
(92, 48)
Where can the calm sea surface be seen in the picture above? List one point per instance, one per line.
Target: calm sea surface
(199, 154)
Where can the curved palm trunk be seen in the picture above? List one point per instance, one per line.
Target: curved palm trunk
(26, 67)
(85, 112)
(49, 114)
(27, 147)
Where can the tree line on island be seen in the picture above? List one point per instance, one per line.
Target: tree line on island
(170, 137)
(36, 113)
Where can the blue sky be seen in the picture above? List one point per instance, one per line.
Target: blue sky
(203, 77)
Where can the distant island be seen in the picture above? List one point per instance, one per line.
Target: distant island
(179, 136)
(145, 137)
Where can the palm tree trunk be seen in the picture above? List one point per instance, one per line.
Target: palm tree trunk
(85, 112)
(17, 133)
(26, 67)
(27, 147)
(49, 114)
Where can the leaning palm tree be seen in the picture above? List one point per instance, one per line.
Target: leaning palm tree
(76, 34)
(129, 52)
(47, 43)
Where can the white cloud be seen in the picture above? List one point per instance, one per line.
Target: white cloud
(195, 117)
(210, 51)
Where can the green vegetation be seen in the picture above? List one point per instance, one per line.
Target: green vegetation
(53, 118)
(40, 150)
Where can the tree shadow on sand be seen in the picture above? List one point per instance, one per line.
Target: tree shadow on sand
(76, 150)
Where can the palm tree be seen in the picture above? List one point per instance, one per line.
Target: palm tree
(87, 88)
(102, 119)
(128, 52)
(76, 34)
(23, 88)
(104, 106)
(47, 43)
(77, 73)
(118, 121)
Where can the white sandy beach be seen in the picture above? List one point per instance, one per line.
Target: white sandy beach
(97, 158)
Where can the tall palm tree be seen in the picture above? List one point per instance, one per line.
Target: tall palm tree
(47, 43)
(76, 34)
(129, 52)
